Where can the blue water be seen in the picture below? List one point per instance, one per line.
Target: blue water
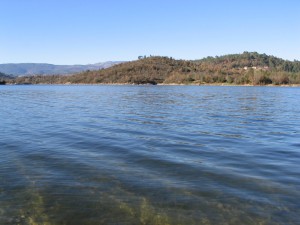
(149, 155)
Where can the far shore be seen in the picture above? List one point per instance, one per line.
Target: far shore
(169, 84)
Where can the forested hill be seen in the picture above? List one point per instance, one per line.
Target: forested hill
(245, 68)
(250, 59)
(4, 77)
(150, 70)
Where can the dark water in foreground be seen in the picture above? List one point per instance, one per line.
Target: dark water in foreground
(149, 155)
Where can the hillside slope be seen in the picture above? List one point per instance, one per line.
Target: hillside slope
(4, 78)
(246, 68)
(250, 59)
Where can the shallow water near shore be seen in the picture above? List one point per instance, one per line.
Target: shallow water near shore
(149, 155)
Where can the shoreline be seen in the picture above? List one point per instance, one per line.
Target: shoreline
(163, 84)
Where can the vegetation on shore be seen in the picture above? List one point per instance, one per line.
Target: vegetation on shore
(247, 68)
(4, 78)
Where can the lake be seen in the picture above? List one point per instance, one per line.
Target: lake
(149, 155)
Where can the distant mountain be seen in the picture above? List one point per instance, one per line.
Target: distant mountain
(27, 69)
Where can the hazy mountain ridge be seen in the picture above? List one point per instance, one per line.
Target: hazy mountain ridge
(27, 69)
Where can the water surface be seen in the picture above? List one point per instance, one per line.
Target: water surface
(149, 155)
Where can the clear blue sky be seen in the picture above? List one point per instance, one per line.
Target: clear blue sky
(90, 31)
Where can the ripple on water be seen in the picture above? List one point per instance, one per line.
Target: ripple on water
(149, 155)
